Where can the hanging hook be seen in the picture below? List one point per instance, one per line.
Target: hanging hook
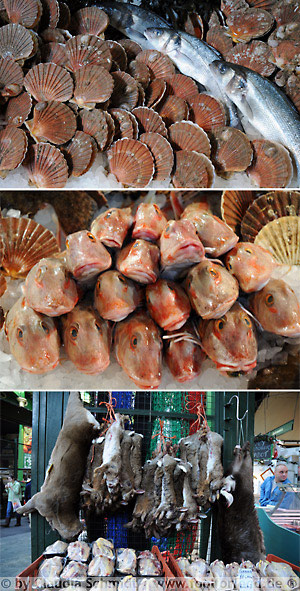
(239, 431)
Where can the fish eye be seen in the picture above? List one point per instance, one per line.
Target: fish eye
(20, 333)
(122, 279)
(229, 266)
(67, 243)
(269, 300)
(222, 68)
(73, 333)
(212, 272)
(167, 229)
(241, 84)
(136, 244)
(99, 328)
(91, 237)
(157, 208)
(248, 250)
(247, 321)
(133, 342)
(109, 213)
(221, 323)
(45, 327)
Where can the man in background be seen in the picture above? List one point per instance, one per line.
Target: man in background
(270, 493)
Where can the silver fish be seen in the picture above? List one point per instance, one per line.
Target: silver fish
(263, 104)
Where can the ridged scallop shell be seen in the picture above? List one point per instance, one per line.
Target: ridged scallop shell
(254, 55)
(118, 54)
(282, 238)
(160, 65)
(126, 124)
(141, 99)
(150, 121)
(24, 12)
(265, 4)
(192, 170)
(64, 16)
(94, 123)
(181, 85)
(286, 13)
(52, 122)
(271, 165)
(252, 23)
(55, 36)
(55, 53)
(26, 242)
(111, 128)
(84, 50)
(172, 109)
(286, 54)
(80, 153)
(292, 89)
(162, 154)
(207, 112)
(140, 72)
(234, 205)
(13, 146)
(218, 38)
(185, 135)
(125, 94)
(131, 162)
(15, 42)
(50, 14)
(231, 150)
(193, 25)
(93, 84)
(90, 20)
(131, 47)
(49, 82)
(267, 208)
(46, 167)
(229, 6)
(11, 78)
(155, 92)
(18, 109)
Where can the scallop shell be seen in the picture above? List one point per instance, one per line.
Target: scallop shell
(64, 16)
(292, 89)
(162, 154)
(15, 42)
(265, 4)
(282, 238)
(155, 92)
(181, 86)
(286, 54)
(254, 55)
(192, 170)
(140, 72)
(94, 123)
(24, 12)
(266, 208)
(131, 162)
(131, 47)
(90, 20)
(194, 25)
(252, 23)
(46, 166)
(80, 153)
(172, 109)
(234, 204)
(231, 150)
(111, 129)
(218, 38)
(93, 84)
(84, 50)
(52, 122)
(160, 65)
(126, 91)
(229, 6)
(18, 109)
(49, 82)
(55, 36)
(55, 53)
(26, 242)
(271, 165)
(185, 135)
(207, 112)
(50, 15)
(126, 124)
(11, 78)
(150, 121)
(118, 54)
(3, 287)
(13, 146)
(141, 99)
(286, 13)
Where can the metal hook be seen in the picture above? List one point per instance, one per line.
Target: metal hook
(239, 431)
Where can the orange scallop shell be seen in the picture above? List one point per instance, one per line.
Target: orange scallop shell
(24, 12)
(50, 15)
(218, 38)
(192, 170)
(252, 23)
(3, 287)
(266, 208)
(281, 238)
(172, 109)
(181, 85)
(18, 109)
(90, 20)
(131, 47)
(46, 166)
(286, 54)
(194, 25)
(93, 84)
(80, 153)
(265, 4)
(13, 146)
(140, 72)
(118, 54)
(231, 150)
(254, 55)
(207, 112)
(125, 94)
(286, 13)
(185, 135)
(160, 65)
(52, 122)
(94, 123)
(162, 154)
(83, 50)
(155, 92)
(271, 165)
(126, 124)
(150, 121)
(25, 243)
(111, 129)
(15, 42)
(49, 82)
(55, 53)
(229, 6)
(11, 78)
(131, 162)
(292, 89)
(234, 204)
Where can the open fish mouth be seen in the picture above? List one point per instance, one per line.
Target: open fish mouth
(238, 367)
(85, 270)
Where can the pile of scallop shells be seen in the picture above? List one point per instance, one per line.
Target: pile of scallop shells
(68, 93)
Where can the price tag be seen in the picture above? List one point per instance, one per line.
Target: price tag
(246, 579)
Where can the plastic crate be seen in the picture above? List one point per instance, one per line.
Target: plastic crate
(170, 580)
(177, 572)
(25, 578)
(272, 558)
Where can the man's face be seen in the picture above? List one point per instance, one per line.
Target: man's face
(281, 473)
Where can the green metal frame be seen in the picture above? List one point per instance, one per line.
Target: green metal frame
(48, 413)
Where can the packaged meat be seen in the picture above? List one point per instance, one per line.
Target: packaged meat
(126, 561)
(199, 569)
(101, 566)
(148, 565)
(74, 571)
(48, 573)
(79, 551)
(102, 547)
(184, 565)
(128, 583)
(59, 548)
